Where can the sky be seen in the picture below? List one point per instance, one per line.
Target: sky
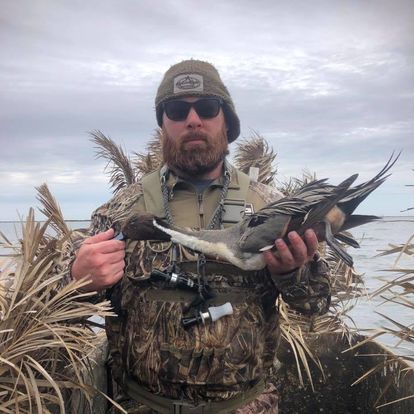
(328, 83)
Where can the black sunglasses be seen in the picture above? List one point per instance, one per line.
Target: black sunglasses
(206, 108)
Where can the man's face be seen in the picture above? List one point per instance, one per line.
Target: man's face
(195, 145)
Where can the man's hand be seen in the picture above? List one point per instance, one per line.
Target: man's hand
(288, 258)
(100, 259)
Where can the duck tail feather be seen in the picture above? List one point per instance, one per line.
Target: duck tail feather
(341, 253)
(347, 239)
(356, 220)
(359, 193)
(316, 214)
(336, 248)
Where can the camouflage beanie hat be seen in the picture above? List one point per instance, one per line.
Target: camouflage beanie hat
(197, 78)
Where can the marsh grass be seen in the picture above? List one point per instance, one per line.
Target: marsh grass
(255, 152)
(46, 343)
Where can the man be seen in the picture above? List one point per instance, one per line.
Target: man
(212, 367)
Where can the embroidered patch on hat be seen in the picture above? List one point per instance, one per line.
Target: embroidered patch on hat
(188, 83)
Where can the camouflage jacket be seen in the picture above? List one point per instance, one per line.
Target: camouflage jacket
(216, 361)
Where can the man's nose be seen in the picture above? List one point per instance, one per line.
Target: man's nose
(193, 120)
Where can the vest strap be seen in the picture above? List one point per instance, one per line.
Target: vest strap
(169, 406)
(151, 188)
(234, 203)
(235, 296)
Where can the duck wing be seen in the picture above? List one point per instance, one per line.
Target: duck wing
(261, 232)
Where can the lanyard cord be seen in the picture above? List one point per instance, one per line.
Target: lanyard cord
(217, 215)
(214, 223)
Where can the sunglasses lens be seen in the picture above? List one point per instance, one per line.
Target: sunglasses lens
(178, 110)
(207, 108)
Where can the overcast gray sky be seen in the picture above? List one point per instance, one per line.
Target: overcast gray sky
(329, 83)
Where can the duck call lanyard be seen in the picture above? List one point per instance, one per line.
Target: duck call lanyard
(214, 223)
(216, 218)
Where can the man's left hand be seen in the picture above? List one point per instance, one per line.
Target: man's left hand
(288, 258)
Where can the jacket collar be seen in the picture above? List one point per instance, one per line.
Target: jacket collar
(172, 179)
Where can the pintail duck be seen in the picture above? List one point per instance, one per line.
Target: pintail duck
(318, 205)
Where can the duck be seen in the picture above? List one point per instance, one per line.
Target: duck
(326, 208)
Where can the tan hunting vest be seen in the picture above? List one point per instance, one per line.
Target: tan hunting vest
(215, 361)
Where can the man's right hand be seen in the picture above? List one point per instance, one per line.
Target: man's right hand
(100, 259)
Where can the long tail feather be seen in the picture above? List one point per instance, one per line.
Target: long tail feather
(337, 248)
(321, 210)
(350, 241)
(356, 195)
(356, 220)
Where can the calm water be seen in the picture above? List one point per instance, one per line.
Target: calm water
(373, 238)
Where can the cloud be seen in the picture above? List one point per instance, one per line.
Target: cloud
(329, 84)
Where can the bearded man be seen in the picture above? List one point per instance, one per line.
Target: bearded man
(161, 361)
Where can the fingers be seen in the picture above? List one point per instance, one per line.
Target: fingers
(100, 283)
(100, 259)
(110, 246)
(285, 255)
(303, 249)
(282, 261)
(297, 253)
(116, 257)
(106, 235)
(311, 242)
(104, 242)
(274, 264)
(100, 263)
(111, 274)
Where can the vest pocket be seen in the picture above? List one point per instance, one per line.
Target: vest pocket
(195, 367)
(208, 366)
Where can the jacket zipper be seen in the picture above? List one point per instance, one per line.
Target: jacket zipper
(201, 209)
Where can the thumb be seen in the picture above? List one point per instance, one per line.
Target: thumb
(100, 237)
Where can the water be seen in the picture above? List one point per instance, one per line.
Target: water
(13, 230)
(374, 238)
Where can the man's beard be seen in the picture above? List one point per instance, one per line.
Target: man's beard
(194, 160)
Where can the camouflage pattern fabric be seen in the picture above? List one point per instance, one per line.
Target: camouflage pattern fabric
(214, 361)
